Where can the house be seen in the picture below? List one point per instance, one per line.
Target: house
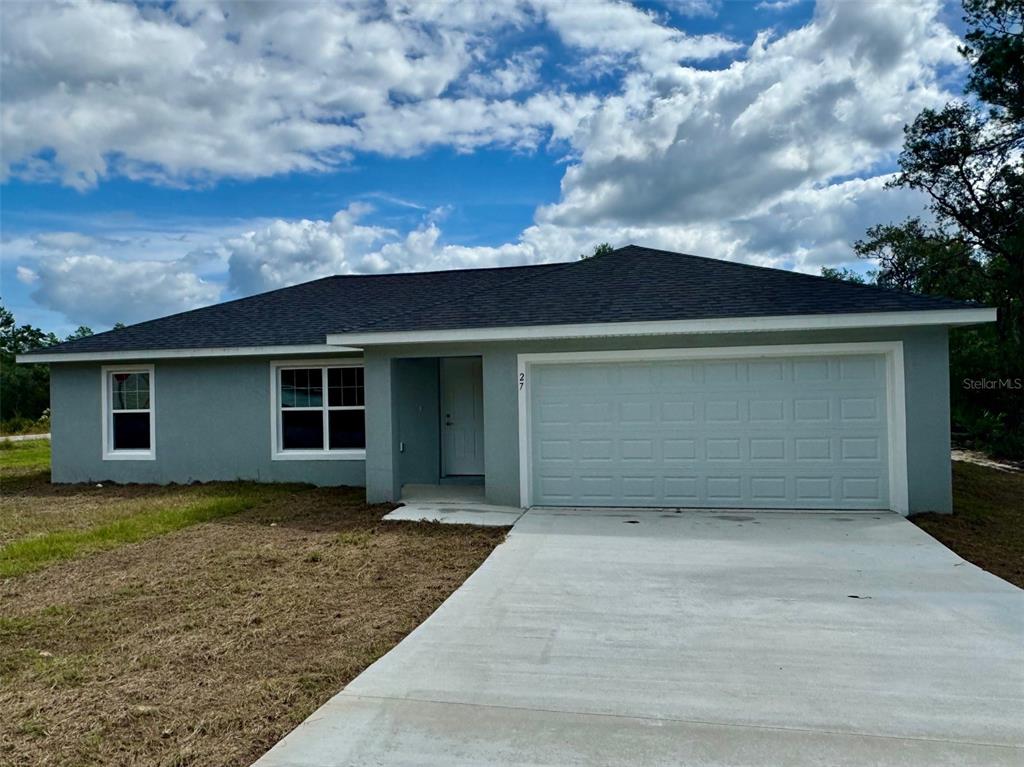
(638, 378)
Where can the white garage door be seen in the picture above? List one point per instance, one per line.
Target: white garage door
(794, 432)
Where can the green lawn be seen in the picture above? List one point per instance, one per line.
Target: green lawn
(17, 457)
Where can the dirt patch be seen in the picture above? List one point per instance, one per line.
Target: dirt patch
(987, 523)
(206, 646)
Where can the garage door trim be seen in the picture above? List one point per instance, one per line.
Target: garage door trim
(895, 394)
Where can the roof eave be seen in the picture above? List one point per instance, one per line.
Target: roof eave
(893, 319)
(160, 354)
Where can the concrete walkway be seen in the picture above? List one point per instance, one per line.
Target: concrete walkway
(23, 437)
(698, 638)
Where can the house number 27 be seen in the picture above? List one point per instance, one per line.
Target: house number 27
(522, 381)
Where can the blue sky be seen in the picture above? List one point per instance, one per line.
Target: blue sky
(157, 158)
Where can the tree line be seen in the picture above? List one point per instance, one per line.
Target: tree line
(968, 159)
(25, 389)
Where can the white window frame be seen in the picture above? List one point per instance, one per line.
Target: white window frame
(107, 413)
(277, 453)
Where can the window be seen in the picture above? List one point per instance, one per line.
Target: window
(128, 416)
(321, 411)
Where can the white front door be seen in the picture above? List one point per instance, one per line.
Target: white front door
(462, 416)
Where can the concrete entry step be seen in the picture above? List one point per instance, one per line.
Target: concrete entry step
(443, 493)
(451, 504)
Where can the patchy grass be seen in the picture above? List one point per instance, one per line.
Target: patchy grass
(44, 522)
(202, 644)
(21, 457)
(149, 520)
(987, 524)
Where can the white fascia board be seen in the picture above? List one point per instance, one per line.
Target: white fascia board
(161, 354)
(947, 317)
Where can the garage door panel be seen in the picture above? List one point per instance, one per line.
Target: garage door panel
(769, 489)
(861, 489)
(675, 449)
(805, 432)
(766, 411)
(814, 489)
(767, 449)
(859, 409)
(674, 411)
(722, 411)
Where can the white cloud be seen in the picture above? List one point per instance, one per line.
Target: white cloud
(105, 290)
(98, 279)
(519, 73)
(776, 5)
(825, 101)
(26, 275)
(202, 90)
(778, 157)
(621, 29)
(64, 240)
(693, 7)
(287, 252)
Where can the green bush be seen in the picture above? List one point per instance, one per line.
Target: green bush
(22, 425)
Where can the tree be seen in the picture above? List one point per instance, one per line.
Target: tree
(914, 258)
(968, 158)
(995, 46)
(24, 389)
(599, 250)
(844, 274)
(82, 331)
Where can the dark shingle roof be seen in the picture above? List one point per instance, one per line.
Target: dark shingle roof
(629, 284)
(301, 314)
(642, 284)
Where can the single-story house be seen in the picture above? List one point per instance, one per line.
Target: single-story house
(638, 378)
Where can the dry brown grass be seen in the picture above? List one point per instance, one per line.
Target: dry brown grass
(207, 645)
(33, 506)
(987, 523)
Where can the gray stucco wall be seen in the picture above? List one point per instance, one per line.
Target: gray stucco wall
(212, 423)
(929, 471)
(213, 416)
(926, 381)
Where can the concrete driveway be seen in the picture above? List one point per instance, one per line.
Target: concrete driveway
(696, 638)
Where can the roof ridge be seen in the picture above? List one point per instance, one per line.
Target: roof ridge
(441, 271)
(558, 266)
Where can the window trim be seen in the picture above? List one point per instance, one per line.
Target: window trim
(107, 414)
(277, 453)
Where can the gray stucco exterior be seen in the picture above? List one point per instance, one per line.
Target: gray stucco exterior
(926, 369)
(212, 423)
(213, 415)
